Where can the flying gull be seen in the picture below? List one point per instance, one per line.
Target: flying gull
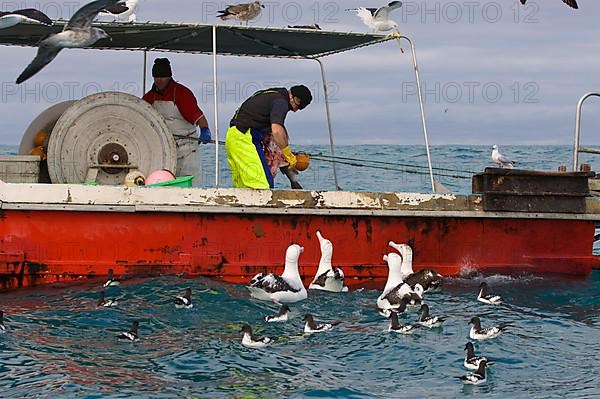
(570, 3)
(241, 12)
(8, 19)
(377, 18)
(124, 10)
(501, 160)
(78, 32)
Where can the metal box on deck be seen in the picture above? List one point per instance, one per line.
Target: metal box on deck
(20, 168)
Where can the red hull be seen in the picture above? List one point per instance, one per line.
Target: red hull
(52, 246)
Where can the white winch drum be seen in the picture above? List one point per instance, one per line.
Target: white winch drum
(101, 137)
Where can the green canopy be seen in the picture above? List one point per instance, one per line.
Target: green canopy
(192, 38)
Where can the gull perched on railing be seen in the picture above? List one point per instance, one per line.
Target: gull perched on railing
(78, 32)
(124, 10)
(241, 12)
(11, 18)
(501, 160)
(378, 18)
(570, 3)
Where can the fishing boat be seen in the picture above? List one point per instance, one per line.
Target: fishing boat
(70, 218)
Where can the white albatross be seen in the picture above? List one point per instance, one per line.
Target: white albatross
(285, 288)
(11, 18)
(378, 18)
(327, 277)
(501, 160)
(77, 33)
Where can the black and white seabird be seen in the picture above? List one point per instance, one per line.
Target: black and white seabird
(395, 326)
(427, 320)
(131, 335)
(378, 18)
(112, 280)
(106, 303)
(282, 315)
(477, 377)
(285, 288)
(477, 332)
(429, 279)
(250, 341)
(2, 326)
(185, 301)
(485, 296)
(310, 326)
(11, 18)
(471, 361)
(124, 10)
(77, 33)
(327, 278)
(570, 3)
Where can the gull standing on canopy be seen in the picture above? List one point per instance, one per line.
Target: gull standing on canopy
(8, 19)
(241, 12)
(77, 33)
(570, 3)
(378, 18)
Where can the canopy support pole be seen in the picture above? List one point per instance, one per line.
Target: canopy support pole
(144, 72)
(576, 147)
(216, 103)
(420, 95)
(329, 128)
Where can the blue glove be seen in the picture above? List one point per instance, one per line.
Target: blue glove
(205, 135)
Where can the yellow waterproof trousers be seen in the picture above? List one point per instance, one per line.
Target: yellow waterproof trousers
(247, 169)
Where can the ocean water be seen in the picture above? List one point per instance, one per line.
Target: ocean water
(58, 344)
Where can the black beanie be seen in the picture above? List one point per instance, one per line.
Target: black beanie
(303, 94)
(162, 68)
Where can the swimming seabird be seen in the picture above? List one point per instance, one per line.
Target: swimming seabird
(112, 280)
(501, 160)
(282, 315)
(570, 3)
(131, 335)
(327, 277)
(378, 18)
(285, 288)
(11, 18)
(310, 326)
(395, 326)
(77, 33)
(471, 361)
(124, 10)
(250, 341)
(477, 332)
(2, 326)
(241, 12)
(106, 303)
(395, 289)
(427, 320)
(407, 257)
(485, 297)
(185, 301)
(477, 377)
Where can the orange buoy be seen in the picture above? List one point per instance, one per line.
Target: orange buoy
(39, 150)
(40, 138)
(302, 161)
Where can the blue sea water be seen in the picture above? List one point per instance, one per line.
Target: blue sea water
(58, 344)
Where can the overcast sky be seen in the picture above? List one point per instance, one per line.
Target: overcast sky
(493, 72)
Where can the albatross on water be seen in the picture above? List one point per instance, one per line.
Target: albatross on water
(570, 3)
(378, 18)
(78, 32)
(241, 12)
(8, 19)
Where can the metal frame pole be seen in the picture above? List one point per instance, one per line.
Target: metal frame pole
(326, 94)
(420, 95)
(145, 73)
(216, 104)
(578, 127)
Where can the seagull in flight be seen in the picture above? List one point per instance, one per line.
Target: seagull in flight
(570, 3)
(241, 12)
(378, 18)
(124, 10)
(8, 19)
(77, 33)
(501, 160)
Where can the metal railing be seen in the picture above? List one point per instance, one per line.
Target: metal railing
(576, 148)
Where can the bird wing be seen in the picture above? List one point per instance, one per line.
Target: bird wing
(571, 3)
(118, 8)
(34, 15)
(366, 15)
(237, 8)
(382, 13)
(43, 57)
(504, 159)
(273, 283)
(83, 17)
